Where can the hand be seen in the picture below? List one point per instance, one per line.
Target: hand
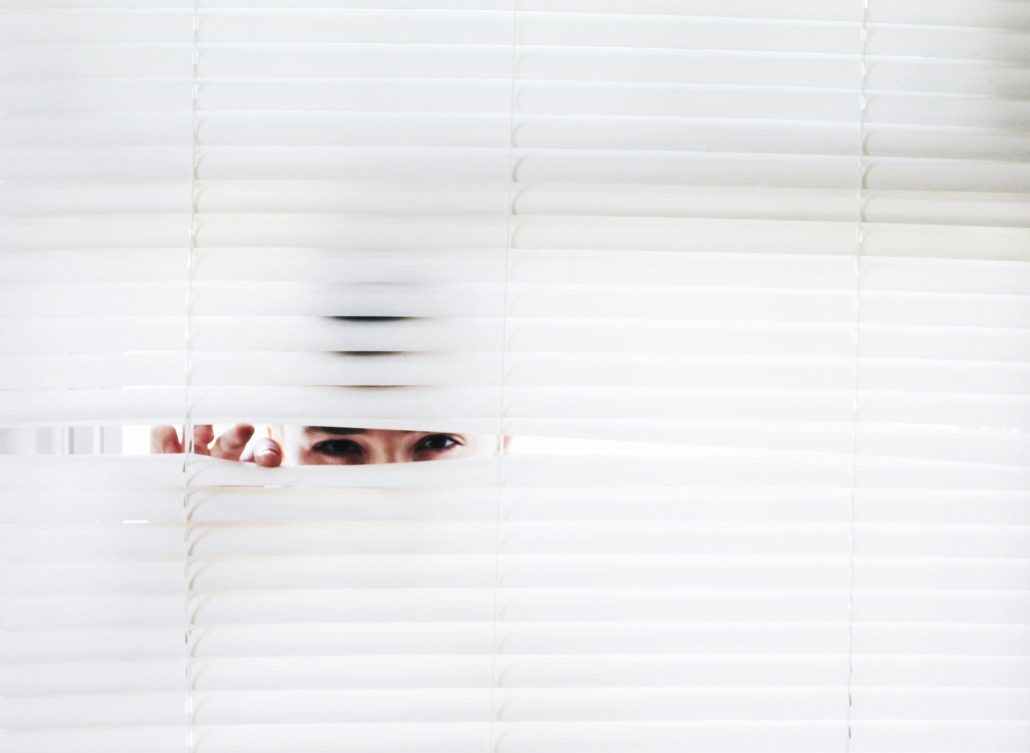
(232, 445)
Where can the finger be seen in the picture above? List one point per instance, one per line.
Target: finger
(163, 439)
(202, 436)
(266, 452)
(231, 443)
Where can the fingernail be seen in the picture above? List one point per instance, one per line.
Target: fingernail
(170, 447)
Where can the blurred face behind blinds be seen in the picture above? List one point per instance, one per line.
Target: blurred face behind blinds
(328, 445)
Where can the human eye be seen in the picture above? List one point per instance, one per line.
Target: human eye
(344, 448)
(436, 444)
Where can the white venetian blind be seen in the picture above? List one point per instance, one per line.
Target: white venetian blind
(782, 245)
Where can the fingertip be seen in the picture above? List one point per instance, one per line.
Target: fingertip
(266, 453)
(201, 435)
(268, 458)
(163, 439)
(242, 433)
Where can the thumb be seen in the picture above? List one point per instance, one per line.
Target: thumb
(265, 452)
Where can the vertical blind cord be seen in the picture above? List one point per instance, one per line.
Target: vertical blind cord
(499, 496)
(187, 430)
(856, 341)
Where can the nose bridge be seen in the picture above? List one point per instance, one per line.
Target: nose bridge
(382, 450)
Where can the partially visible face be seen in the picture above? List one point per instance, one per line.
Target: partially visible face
(328, 445)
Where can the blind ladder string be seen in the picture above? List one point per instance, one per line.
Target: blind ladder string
(499, 496)
(187, 431)
(857, 355)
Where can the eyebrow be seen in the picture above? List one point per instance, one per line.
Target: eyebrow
(342, 430)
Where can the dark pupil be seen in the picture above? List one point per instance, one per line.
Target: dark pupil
(339, 446)
(438, 442)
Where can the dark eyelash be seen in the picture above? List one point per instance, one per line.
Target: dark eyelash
(337, 447)
(423, 443)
